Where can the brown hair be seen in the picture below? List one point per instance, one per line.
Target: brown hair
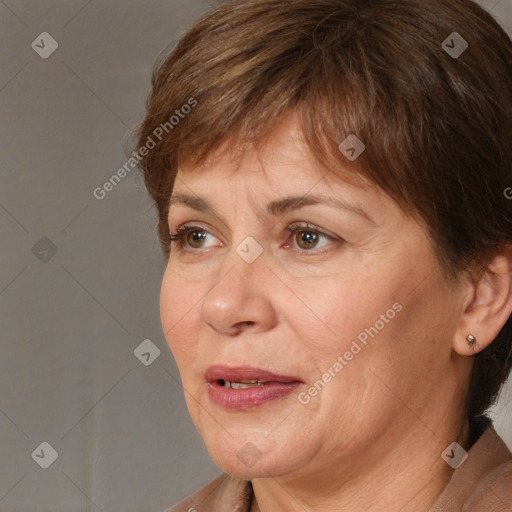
(436, 126)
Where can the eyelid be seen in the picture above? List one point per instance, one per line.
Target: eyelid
(188, 226)
(307, 226)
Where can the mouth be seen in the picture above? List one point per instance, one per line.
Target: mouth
(245, 388)
(243, 384)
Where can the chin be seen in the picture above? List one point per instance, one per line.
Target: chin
(247, 469)
(244, 460)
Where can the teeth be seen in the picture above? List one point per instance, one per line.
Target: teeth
(243, 384)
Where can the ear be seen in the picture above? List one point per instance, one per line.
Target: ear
(488, 305)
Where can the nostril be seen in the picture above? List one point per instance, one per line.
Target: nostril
(247, 323)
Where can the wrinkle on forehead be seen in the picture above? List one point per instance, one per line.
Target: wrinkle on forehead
(288, 133)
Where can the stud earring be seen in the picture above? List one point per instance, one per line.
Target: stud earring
(471, 340)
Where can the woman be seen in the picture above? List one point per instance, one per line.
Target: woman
(331, 181)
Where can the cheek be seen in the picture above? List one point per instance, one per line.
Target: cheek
(412, 353)
(179, 310)
(339, 312)
(360, 324)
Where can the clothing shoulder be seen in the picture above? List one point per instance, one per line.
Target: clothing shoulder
(484, 480)
(223, 494)
(494, 492)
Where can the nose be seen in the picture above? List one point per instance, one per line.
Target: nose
(241, 299)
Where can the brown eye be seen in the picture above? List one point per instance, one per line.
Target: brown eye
(191, 238)
(306, 239)
(195, 238)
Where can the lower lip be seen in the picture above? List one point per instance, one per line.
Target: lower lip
(249, 398)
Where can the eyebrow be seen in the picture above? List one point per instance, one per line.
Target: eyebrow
(274, 208)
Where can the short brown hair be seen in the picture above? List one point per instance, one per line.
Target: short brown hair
(436, 126)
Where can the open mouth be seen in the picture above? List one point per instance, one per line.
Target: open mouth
(246, 387)
(244, 384)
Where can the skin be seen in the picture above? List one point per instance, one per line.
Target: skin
(372, 438)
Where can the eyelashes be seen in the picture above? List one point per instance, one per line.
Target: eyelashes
(179, 238)
(190, 238)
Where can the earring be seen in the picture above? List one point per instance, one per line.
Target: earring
(471, 340)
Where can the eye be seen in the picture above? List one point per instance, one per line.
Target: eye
(192, 237)
(307, 237)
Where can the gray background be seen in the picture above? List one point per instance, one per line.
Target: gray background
(71, 319)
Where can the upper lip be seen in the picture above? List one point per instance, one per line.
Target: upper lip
(241, 373)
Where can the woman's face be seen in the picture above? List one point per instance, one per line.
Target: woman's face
(341, 330)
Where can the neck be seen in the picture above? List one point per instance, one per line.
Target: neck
(407, 477)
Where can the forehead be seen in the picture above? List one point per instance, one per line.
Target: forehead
(273, 180)
(283, 159)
